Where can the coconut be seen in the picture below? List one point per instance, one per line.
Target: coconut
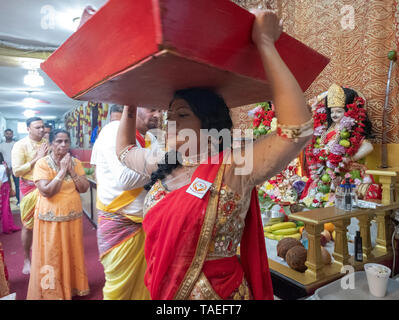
(325, 256)
(296, 258)
(286, 244)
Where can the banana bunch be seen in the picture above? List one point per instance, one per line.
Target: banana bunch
(282, 230)
(274, 221)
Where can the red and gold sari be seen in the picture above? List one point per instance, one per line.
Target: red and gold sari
(181, 231)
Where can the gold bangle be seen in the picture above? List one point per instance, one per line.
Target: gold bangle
(293, 132)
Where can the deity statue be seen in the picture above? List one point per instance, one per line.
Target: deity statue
(338, 148)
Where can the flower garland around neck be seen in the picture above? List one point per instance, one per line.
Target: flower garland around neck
(327, 162)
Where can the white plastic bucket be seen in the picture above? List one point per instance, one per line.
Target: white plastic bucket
(377, 278)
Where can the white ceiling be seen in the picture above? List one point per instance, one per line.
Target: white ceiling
(27, 28)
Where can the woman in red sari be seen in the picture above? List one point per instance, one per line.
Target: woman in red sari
(204, 206)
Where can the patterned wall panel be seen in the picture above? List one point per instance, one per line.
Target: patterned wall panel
(356, 35)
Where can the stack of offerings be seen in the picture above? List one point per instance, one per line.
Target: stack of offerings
(283, 230)
(141, 52)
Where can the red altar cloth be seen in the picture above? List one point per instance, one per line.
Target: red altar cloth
(140, 52)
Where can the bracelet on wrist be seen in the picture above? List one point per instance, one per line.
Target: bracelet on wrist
(294, 132)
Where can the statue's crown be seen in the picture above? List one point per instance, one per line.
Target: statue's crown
(336, 97)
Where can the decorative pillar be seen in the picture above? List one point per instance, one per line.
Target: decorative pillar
(364, 226)
(313, 261)
(384, 231)
(341, 254)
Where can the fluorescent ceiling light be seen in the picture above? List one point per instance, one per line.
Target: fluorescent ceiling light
(30, 63)
(29, 113)
(48, 117)
(33, 79)
(29, 102)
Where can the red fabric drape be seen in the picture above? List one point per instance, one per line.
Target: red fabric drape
(172, 229)
(253, 253)
(172, 233)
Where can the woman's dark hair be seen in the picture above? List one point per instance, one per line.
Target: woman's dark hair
(350, 96)
(208, 106)
(53, 134)
(211, 110)
(1, 158)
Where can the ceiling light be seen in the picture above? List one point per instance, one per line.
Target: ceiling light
(30, 63)
(33, 79)
(29, 113)
(29, 102)
(48, 117)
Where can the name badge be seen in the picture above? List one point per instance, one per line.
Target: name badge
(199, 188)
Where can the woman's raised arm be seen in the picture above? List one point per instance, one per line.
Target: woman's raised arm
(141, 160)
(126, 136)
(273, 152)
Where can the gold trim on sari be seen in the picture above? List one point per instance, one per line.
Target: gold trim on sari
(204, 240)
(203, 290)
(50, 216)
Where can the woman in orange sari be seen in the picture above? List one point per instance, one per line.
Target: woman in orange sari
(201, 207)
(58, 269)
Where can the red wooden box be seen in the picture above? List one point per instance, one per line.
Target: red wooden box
(140, 52)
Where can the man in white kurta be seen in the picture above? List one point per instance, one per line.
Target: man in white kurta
(120, 197)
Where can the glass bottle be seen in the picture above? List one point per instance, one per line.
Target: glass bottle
(348, 195)
(339, 197)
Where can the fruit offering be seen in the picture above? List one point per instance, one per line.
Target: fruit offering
(88, 171)
(329, 226)
(296, 258)
(325, 256)
(282, 230)
(286, 244)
